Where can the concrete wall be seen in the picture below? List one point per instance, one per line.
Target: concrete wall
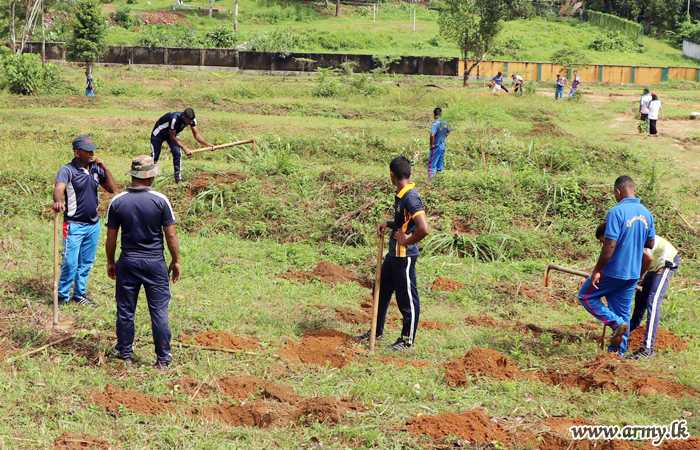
(691, 49)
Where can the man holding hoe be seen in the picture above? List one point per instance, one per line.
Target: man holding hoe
(166, 129)
(629, 229)
(409, 227)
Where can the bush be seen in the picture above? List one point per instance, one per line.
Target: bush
(434, 41)
(614, 41)
(221, 37)
(626, 27)
(530, 87)
(509, 47)
(21, 74)
(282, 42)
(119, 91)
(570, 59)
(361, 84)
(122, 16)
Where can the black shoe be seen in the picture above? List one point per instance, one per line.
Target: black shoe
(400, 345)
(162, 366)
(62, 301)
(365, 337)
(642, 353)
(620, 331)
(85, 301)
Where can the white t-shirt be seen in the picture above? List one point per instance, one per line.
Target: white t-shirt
(644, 102)
(518, 79)
(654, 107)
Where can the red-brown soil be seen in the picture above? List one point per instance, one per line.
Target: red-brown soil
(191, 386)
(321, 346)
(562, 424)
(240, 388)
(664, 340)
(550, 441)
(259, 414)
(484, 321)
(432, 325)
(324, 271)
(692, 443)
(406, 362)
(363, 316)
(324, 409)
(112, 399)
(446, 284)
(161, 18)
(472, 425)
(481, 362)
(223, 340)
(201, 181)
(80, 442)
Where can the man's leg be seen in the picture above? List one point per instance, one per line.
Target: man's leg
(432, 161)
(407, 296)
(72, 240)
(590, 299)
(127, 293)
(156, 146)
(177, 160)
(386, 290)
(640, 302)
(157, 287)
(440, 165)
(86, 258)
(652, 127)
(656, 297)
(620, 302)
(504, 88)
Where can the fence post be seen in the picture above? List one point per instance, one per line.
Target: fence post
(165, 56)
(664, 74)
(568, 74)
(201, 57)
(634, 70)
(539, 71)
(600, 74)
(506, 69)
(697, 74)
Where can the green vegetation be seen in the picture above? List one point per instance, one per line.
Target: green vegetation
(87, 41)
(614, 23)
(526, 183)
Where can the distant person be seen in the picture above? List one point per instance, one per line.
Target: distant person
(89, 90)
(561, 82)
(143, 215)
(655, 109)
(166, 130)
(629, 229)
(644, 105)
(75, 193)
(518, 84)
(438, 134)
(498, 83)
(575, 84)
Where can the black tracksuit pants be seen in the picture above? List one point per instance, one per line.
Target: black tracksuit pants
(399, 276)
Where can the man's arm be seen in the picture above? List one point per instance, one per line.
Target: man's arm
(110, 249)
(649, 244)
(647, 259)
(422, 230)
(173, 138)
(58, 192)
(432, 141)
(605, 254)
(109, 184)
(199, 137)
(174, 248)
(383, 226)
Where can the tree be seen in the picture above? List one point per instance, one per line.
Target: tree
(569, 59)
(87, 42)
(473, 25)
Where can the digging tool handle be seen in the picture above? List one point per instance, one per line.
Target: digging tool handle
(375, 303)
(217, 147)
(602, 340)
(571, 271)
(56, 268)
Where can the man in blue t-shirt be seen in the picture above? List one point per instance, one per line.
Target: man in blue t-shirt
(438, 134)
(629, 229)
(77, 183)
(89, 90)
(166, 129)
(409, 227)
(143, 215)
(497, 82)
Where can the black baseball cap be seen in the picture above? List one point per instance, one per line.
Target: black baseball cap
(84, 143)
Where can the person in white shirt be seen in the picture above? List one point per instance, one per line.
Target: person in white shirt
(518, 84)
(644, 105)
(655, 109)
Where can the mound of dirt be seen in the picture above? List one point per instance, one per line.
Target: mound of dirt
(113, 399)
(241, 387)
(472, 425)
(80, 442)
(324, 409)
(664, 340)
(479, 362)
(224, 340)
(562, 424)
(325, 271)
(484, 321)
(356, 316)
(446, 284)
(321, 346)
(258, 414)
(191, 386)
(201, 181)
(692, 443)
(433, 325)
(161, 18)
(650, 386)
(549, 441)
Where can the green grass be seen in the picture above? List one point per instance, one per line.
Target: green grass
(546, 184)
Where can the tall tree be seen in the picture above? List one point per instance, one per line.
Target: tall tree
(473, 25)
(88, 41)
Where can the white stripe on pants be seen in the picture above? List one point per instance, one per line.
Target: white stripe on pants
(410, 301)
(650, 328)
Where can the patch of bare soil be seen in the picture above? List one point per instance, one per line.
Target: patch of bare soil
(363, 316)
(201, 181)
(80, 442)
(240, 388)
(664, 340)
(546, 128)
(324, 271)
(259, 414)
(161, 18)
(473, 425)
(692, 443)
(223, 340)
(406, 362)
(324, 409)
(113, 399)
(445, 284)
(321, 346)
(481, 362)
(432, 325)
(485, 321)
(191, 386)
(550, 441)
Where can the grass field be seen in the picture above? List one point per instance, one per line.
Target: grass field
(526, 183)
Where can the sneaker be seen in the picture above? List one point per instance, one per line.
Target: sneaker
(62, 301)
(642, 353)
(162, 366)
(365, 337)
(620, 331)
(85, 301)
(400, 345)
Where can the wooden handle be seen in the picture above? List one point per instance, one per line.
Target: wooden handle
(230, 144)
(551, 266)
(56, 267)
(377, 286)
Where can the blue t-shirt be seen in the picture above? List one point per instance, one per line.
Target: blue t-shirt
(498, 80)
(81, 198)
(631, 225)
(170, 121)
(141, 213)
(439, 129)
(407, 205)
(89, 83)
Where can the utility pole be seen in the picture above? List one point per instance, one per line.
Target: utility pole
(43, 35)
(337, 8)
(235, 18)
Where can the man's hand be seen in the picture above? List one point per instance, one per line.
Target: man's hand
(100, 163)
(595, 279)
(58, 207)
(175, 269)
(112, 270)
(213, 148)
(187, 151)
(381, 228)
(401, 237)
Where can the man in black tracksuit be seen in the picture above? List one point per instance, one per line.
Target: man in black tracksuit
(143, 215)
(409, 227)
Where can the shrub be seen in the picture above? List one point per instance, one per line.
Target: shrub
(118, 91)
(614, 41)
(570, 59)
(361, 84)
(221, 37)
(530, 87)
(122, 16)
(21, 74)
(169, 36)
(434, 41)
(509, 47)
(282, 42)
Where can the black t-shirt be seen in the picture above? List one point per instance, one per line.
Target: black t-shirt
(407, 205)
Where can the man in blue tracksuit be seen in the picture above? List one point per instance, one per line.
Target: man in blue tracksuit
(409, 227)
(143, 215)
(166, 129)
(438, 134)
(629, 229)
(75, 193)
